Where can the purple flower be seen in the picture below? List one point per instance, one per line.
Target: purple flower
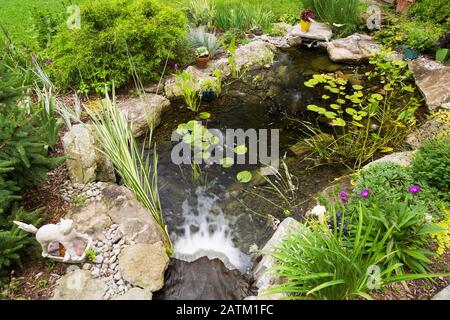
(48, 62)
(414, 189)
(344, 196)
(365, 193)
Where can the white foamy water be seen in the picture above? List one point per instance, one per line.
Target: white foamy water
(207, 232)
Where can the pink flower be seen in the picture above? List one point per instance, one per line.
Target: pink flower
(414, 189)
(344, 196)
(365, 193)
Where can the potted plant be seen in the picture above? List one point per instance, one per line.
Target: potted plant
(305, 22)
(202, 57)
(443, 53)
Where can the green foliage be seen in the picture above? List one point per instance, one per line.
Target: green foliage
(390, 181)
(117, 39)
(187, 85)
(336, 13)
(201, 12)
(91, 254)
(405, 228)
(289, 18)
(421, 36)
(14, 243)
(23, 153)
(431, 11)
(242, 16)
(199, 38)
(138, 173)
(431, 163)
(48, 118)
(322, 263)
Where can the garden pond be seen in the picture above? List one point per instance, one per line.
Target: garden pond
(221, 217)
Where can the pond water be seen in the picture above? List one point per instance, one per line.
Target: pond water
(220, 217)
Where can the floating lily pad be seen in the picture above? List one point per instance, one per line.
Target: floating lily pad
(242, 149)
(226, 162)
(244, 176)
(357, 87)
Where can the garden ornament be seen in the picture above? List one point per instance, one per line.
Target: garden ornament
(52, 236)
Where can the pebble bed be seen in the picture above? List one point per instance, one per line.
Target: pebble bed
(106, 263)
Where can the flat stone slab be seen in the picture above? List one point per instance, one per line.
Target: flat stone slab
(143, 111)
(78, 285)
(401, 158)
(443, 295)
(353, 48)
(317, 31)
(433, 80)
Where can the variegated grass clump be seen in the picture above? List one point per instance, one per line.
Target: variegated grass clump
(115, 135)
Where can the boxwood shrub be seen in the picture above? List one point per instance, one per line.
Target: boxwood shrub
(117, 38)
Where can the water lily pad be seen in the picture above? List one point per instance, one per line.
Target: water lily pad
(244, 176)
(188, 138)
(204, 115)
(226, 162)
(242, 149)
(330, 114)
(191, 124)
(338, 122)
(357, 87)
(182, 129)
(335, 106)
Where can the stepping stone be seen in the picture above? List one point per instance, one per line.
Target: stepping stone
(317, 31)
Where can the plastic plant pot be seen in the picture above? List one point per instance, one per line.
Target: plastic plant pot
(410, 54)
(202, 62)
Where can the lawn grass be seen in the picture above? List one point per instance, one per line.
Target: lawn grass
(18, 16)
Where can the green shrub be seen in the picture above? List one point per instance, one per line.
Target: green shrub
(434, 11)
(336, 12)
(431, 163)
(23, 162)
(421, 36)
(117, 39)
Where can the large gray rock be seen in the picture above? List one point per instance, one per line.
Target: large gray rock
(401, 158)
(85, 162)
(437, 126)
(135, 294)
(143, 265)
(317, 31)
(433, 80)
(143, 111)
(263, 272)
(354, 48)
(202, 279)
(78, 285)
(119, 206)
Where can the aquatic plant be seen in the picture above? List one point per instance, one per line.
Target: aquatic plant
(364, 121)
(139, 174)
(189, 90)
